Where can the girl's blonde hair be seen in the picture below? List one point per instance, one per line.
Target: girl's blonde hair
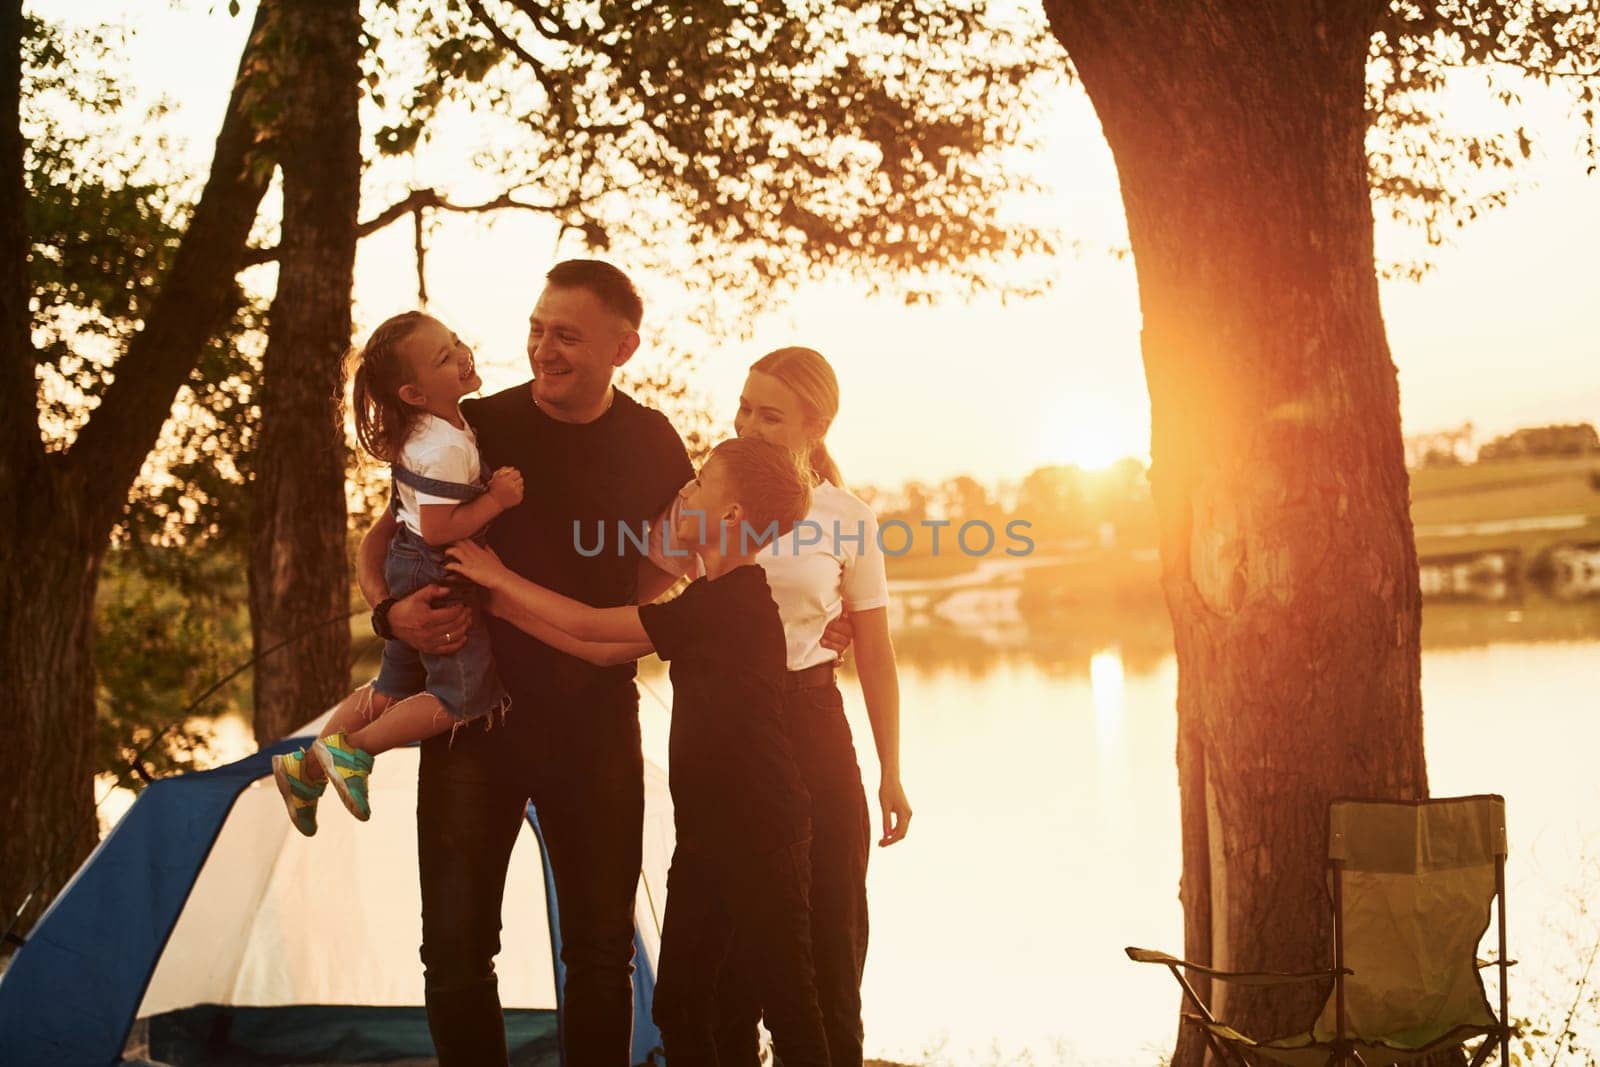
(805, 372)
(766, 480)
(383, 420)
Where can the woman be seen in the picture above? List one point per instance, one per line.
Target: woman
(790, 397)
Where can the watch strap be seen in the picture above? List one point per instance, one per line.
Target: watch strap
(380, 619)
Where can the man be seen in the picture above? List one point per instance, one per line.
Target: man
(589, 455)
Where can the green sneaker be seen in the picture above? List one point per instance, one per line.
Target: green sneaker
(347, 768)
(299, 795)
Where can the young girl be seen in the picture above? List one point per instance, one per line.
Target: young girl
(407, 394)
(741, 870)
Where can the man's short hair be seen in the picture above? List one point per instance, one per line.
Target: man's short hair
(614, 289)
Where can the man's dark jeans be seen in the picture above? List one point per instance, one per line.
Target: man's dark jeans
(718, 888)
(841, 841)
(577, 757)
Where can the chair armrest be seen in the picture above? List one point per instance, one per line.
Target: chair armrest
(1146, 955)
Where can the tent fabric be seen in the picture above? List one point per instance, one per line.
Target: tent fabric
(225, 1036)
(203, 903)
(71, 992)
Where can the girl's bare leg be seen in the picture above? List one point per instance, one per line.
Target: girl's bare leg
(354, 713)
(415, 718)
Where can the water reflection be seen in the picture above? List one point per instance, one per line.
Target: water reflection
(1068, 643)
(1105, 678)
(1040, 759)
(1038, 753)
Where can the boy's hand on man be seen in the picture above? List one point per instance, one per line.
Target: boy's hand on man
(505, 486)
(475, 562)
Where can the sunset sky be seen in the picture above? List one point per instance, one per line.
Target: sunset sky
(1504, 332)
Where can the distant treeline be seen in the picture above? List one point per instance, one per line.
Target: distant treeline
(1065, 506)
(1453, 448)
(1069, 506)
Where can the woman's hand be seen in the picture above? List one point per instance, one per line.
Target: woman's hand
(896, 811)
(476, 562)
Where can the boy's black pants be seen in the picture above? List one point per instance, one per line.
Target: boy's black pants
(734, 893)
(841, 840)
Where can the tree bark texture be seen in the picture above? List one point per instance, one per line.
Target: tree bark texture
(299, 570)
(1277, 464)
(21, 451)
(60, 507)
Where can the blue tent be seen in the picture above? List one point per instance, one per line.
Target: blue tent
(167, 946)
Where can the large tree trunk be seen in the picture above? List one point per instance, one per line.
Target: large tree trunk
(1277, 464)
(59, 508)
(299, 573)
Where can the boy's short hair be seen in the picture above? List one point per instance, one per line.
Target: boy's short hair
(767, 480)
(613, 288)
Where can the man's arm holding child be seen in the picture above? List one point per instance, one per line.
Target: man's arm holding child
(413, 619)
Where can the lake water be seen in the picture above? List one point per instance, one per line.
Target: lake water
(1039, 760)
(1046, 831)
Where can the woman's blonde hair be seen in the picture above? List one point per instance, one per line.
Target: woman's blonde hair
(766, 480)
(805, 372)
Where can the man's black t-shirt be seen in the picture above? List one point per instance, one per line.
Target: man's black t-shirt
(624, 467)
(732, 773)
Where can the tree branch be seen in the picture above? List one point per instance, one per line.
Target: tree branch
(417, 201)
(194, 301)
(422, 259)
(548, 23)
(501, 37)
(510, 44)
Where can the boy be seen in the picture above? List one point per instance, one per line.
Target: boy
(741, 861)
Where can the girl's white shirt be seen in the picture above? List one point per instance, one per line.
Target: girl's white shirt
(439, 451)
(830, 562)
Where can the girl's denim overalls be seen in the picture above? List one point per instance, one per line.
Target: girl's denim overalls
(465, 682)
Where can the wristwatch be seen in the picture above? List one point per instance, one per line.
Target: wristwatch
(380, 619)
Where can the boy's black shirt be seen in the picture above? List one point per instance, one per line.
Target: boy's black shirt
(626, 465)
(733, 776)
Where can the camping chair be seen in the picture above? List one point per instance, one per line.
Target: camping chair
(1412, 883)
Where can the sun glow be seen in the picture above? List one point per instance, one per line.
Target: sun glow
(1090, 440)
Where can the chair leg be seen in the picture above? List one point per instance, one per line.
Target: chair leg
(1485, 1048)
(1217, 1047)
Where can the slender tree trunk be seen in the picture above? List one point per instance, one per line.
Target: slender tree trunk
(1277, 464)
(299, 571)
(44, 647)
(46, 657)
(59, 508)
(21, 451)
